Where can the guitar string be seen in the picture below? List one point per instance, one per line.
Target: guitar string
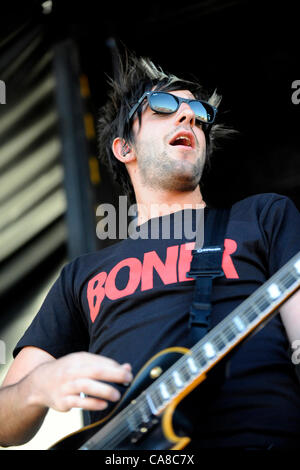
(123, 430)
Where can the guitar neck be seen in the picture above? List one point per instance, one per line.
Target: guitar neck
(240, 323)
(248, 316)
(188, 370)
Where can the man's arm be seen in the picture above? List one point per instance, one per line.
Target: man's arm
(36, 382)
(18, 421)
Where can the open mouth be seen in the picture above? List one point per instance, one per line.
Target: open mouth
(183, 140)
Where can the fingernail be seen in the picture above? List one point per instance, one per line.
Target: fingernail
(116, 395)
(129, 377)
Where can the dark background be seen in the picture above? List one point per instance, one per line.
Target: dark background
(247, 50)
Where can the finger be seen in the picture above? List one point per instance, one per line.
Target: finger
(112, 374)
(95, 389)
(102, 368)
(128, 368)
(86, 403)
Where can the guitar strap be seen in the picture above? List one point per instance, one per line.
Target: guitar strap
(206, 265)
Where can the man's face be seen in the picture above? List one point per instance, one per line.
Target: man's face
(170, 148)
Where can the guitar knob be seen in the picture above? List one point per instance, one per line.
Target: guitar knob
(155, 372)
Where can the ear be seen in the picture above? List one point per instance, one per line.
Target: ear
(122, 151)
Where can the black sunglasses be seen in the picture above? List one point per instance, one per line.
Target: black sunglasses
(165, 103)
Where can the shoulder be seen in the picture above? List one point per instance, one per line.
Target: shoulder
(261, 204)
(260, 200)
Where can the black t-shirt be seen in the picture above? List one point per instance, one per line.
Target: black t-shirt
(131, 300)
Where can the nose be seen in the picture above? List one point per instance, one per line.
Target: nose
(185, 115)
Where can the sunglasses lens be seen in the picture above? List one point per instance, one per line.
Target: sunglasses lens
(163, 103)
(166, 103)
(203, 111)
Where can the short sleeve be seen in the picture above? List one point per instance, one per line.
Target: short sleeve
(281, 225)
(59, 327)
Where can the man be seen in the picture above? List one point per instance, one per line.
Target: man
(111, 311)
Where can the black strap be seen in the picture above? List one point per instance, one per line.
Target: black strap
(206, 265)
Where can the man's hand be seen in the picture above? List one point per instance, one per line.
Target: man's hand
(36, 381)
(58, 384)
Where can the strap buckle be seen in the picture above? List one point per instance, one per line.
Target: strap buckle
(206, 262)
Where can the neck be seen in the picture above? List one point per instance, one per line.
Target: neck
(151, 203)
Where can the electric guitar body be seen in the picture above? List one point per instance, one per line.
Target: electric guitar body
(155, 431)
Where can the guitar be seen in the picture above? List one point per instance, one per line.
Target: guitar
(143, 420)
